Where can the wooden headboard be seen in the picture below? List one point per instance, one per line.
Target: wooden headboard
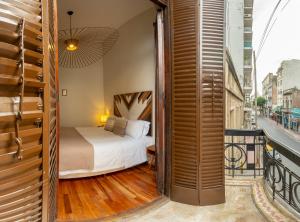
(134, 106)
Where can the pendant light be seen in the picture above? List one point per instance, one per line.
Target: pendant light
(71, 43)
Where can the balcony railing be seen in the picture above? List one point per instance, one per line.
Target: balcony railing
(247, 44)
(248, 29)
(254, 153)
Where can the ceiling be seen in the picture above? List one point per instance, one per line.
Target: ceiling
(100, 13)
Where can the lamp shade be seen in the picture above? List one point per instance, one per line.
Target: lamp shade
(87, 45)
(72, 44)
(103, 119)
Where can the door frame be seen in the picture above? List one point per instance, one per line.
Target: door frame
(163, 163)
(163, 101)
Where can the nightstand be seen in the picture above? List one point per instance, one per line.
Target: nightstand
(151, 151)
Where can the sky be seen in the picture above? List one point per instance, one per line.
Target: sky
(284, 40)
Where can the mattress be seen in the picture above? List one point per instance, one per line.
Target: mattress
(111, 152)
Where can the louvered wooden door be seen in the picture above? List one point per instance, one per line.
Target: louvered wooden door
(212, 116)
(24, 110)
(197, 175)
(53, 81)
(185, 99)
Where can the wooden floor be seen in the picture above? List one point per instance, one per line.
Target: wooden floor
(104, 196)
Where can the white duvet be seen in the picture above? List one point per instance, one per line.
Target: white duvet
(111, 152)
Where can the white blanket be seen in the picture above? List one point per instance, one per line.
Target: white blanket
(111, 152)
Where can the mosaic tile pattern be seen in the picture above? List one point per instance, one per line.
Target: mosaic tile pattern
(267, 209)
(261, 200)
(246, 201)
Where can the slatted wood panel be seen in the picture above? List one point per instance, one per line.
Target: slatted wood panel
(22, 111)
(198, 101)
(185, 97)
(212, 102)
(53, 126)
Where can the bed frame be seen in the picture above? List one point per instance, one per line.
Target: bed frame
(136, 105)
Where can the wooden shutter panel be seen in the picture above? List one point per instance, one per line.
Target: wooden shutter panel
(185, 121)
(212, 188)
(23, 111)
(197, 102)
(53, 109)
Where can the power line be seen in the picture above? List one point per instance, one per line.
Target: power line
(267, 26)
(266, 37)
(267, 31)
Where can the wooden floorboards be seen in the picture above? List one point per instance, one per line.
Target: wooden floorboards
(104, 196)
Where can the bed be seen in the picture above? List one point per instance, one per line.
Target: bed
(92, 151)
(109, 152)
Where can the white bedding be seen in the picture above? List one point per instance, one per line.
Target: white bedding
(111, 152)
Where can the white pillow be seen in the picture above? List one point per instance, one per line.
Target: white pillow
(135, 128)
(146, 128)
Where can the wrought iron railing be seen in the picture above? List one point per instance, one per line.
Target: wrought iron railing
(255, 153)
(244, 152)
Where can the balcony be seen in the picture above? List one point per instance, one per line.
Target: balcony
(247, 108)
(248, 34)
(248, 8)
(248, 88)
(248, 48)
(255, 154)
(248, 3)
(248, 44)
(259, 186)
(257, 183)
(247, 70)
(248, 20)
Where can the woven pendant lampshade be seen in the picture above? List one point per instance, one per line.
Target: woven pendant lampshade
(81, 47)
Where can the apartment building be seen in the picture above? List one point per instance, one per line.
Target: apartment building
(288, 77)
(239, 43)
(291, 99)
(270, 91)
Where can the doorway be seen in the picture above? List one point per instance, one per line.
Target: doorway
(85, 194)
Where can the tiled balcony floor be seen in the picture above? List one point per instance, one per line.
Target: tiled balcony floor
(239, 207)
(246, 201)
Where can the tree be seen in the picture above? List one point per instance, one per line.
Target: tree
(261, 102)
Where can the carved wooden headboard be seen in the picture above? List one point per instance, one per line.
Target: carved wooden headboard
(134, 106)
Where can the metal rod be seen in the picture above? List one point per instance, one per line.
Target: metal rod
(21, 69)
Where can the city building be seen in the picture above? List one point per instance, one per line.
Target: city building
(291, 108)
(234, 97)
(239, 43)
(270, 92)
(288, 77)
(291, 99)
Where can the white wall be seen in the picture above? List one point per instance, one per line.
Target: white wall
(85, 99)
(235, 35)
(130, 65)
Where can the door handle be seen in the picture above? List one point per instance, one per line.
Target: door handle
(21, 70)
(18, 154)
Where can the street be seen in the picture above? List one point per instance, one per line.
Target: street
(279, 134)
(282, 136)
